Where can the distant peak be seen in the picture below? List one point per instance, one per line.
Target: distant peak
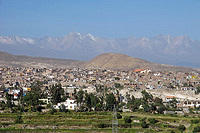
(74, 34)
(91, 37)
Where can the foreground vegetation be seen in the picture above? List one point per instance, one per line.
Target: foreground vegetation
(94, 113)
(97, 122)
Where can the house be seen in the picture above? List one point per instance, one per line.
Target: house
(169, 98)
(69, 104)
(138, 70)
(189, 104)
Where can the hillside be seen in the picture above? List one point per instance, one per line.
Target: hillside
(106, 61)
(20, 60)
(121, 61)
(116, 61)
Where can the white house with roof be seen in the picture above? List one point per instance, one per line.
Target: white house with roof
(69, 104)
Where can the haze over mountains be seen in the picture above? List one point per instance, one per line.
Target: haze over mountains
(179, 50)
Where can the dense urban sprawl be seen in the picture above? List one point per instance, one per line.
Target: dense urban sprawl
(97, 89)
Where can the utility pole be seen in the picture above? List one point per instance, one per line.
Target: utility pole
(114, 121)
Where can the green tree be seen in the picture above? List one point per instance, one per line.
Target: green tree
(94, 101)
(131, 100)
(152, 120)
(136, 104)
(118, 85)
(36, 87)
(88, 101)
(195, 121)
(52, 111)
(127, 119)
(100, 106)
(147, 96)
(9, 100)
(80, 96)
(62, 108)
(21, 101)
(146, 107)
(173, 103)
(18, 119)
(2, 105)
(32, 99)
(158, 101)
(196, 129)
(160, 107)
(110, 101)
(144, 123)
(181, 128)
(57, 93)
(119, 116)
(91, 101)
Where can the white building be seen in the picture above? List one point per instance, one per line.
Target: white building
(69, 104)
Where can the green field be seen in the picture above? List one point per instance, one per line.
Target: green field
(97, 122)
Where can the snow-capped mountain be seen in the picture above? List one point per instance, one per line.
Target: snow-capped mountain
(166, 49)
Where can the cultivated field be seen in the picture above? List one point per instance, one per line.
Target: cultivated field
(95, 122)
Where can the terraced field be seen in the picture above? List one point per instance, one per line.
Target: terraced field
(93, 122)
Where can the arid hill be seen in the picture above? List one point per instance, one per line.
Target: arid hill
(20, 60)
(116, 61)
(121, 61)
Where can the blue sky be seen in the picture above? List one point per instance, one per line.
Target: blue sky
(104, 18)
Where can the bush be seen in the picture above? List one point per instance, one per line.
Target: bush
(195, 121)
(52, 111)
(18, 119)
(152, 120)
(103, 125)
(127, 119)
(119, 116)
(62, 108)
(144, 124)
(196, 129)
(181, 128)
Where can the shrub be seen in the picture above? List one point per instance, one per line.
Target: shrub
(181, 128)
(195, 121)
(62, 108)
(119, 116)
(152, 120)
(127, 119)
(144, 124)
(196, 129)
(18, 119)
(52, 111)
(102, 125)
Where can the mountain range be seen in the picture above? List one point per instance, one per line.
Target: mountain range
(164, 49)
